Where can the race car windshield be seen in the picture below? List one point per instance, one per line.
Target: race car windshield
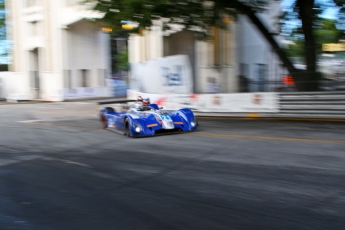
(145, 108)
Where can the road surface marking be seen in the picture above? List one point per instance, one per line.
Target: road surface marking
(30, 121)
(64, 125)
(80, 103)
(7, 162)
(15, 160)
(49, 108)
(221, 135)
(270, 118)
(75, 163)
(270, 138)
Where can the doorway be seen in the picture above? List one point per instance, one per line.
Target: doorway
(34, 73)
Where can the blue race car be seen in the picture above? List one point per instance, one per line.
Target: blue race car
(146, 119)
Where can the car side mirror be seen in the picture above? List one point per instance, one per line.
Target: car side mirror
(160, 107)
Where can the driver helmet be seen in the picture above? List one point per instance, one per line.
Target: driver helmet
(146, 102)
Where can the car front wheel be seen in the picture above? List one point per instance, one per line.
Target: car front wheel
(126, 129)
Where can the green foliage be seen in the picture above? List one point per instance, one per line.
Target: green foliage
(122, 60)
(195, 15)
(325, 31)
(295, 50)
(2, 20)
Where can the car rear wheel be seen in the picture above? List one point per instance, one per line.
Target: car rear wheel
(104, 121)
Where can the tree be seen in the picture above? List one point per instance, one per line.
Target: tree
(308, 13)
(197, 15)
(122, 60)
(2, 20)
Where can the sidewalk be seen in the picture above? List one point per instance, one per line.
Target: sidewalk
(4, 102)
(37, 101)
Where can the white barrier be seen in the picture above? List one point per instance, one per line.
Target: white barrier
(223, 103)
(171, 75)
(87, 92)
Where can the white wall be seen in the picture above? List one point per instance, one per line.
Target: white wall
(87, 48)
(5, 84)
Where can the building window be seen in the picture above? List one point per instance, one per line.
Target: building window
(102, 76)
(244, 77)
(30, 3)
(85, 78)
(68, 79)
(217, 46)
(72, 2)
(34, 28)
(261, 73)
(244, 70)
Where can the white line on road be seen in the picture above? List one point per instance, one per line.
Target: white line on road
(82, 103)
(4, 162)
(7, 162)
(49, 108)
(75, 163)
(29, 121)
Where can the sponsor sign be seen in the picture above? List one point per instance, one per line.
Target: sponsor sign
(119, 87)
(333, 47)
(235, 103)
(172, 75)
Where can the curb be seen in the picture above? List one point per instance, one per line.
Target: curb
(93, 99)
(268, 118)
(23, 102)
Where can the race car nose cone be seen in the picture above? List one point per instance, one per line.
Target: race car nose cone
(169, 124)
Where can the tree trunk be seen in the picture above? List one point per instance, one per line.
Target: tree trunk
(306, 14)
(298, 75)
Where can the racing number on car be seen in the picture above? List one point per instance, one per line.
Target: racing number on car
(111, 122)
(166, 118)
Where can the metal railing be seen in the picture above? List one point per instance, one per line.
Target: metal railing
(324, 84)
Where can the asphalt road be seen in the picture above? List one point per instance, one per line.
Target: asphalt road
(60, 170)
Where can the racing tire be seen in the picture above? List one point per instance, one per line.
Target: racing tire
(104, 121)
(126, 130)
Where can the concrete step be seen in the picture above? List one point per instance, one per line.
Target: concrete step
(311, 97)
(314, 93)
(313, 107)
(337, 102)
(313, 112)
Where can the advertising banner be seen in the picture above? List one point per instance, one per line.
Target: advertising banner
(235, 103)
(171, 75)
(119, 87)
(83, 92)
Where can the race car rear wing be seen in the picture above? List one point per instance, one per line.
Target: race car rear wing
(115, 102)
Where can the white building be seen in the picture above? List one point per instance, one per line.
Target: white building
(213, 62)
(56, 52)
(257, 60)
(238, 50)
